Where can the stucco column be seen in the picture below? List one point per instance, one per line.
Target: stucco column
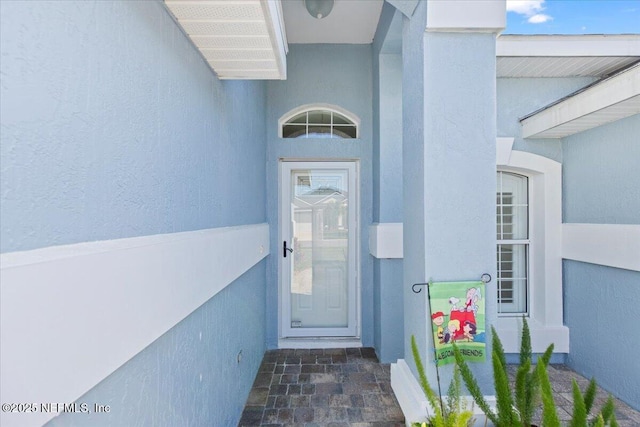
(449, 157)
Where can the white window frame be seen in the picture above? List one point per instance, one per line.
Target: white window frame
(527, 243)
(355, 120)
(545, 252)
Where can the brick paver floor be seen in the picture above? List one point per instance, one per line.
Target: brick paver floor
(322, 387)
(349, 387)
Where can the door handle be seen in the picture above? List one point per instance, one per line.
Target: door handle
(285, 249)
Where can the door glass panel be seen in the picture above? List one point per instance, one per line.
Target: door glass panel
(319, 267)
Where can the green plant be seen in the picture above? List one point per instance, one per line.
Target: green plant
(449, 412)
(516, 409)
(582, 405)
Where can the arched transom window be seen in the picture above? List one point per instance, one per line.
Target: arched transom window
(319, 121)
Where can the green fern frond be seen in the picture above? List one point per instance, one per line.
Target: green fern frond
(579, 417)
(465, 419)
(453, 393)
(590, 395)
(522, 388)
(525, 343)
(504, 402)
(422, 377)
(472, 386)
(546, 357)
(608, 410)
(599, 422)
(549, 412)
(497, 347)
(613, 422)
(533, 397)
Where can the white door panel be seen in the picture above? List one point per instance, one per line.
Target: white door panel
(318, 271)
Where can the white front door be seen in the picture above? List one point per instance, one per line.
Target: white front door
(318, 257)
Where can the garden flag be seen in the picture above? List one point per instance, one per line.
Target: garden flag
(457, 316)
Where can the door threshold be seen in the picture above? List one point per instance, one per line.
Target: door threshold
(319, 342)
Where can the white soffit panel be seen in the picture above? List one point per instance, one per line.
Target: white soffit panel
(609, 100)
(565, 55)
(240, 39)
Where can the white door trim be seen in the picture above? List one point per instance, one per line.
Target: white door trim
(327, 336)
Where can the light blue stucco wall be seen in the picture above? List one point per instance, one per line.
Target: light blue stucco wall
(601, 177)
(387, 181)
(413, 152)
(113, 127)
(460, 158)
(161, 386)
(449, 110)
(602, 312)
(518, 97)
(601, 185)
(333, 74)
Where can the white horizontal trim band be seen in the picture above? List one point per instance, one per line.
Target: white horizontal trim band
(71, 315)
(613, 245)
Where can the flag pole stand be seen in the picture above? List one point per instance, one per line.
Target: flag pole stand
(435, 353)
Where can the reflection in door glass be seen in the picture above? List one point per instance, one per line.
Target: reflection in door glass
(320, 202)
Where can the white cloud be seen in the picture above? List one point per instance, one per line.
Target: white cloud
(532, 9)
(539, 18)
(525, 7)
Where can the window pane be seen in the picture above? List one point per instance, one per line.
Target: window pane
(319, 124)
(320, 117)
(339, 119)
(512, 278)
(344, 131)
(300, 118)
(512, 210)
(294, 131)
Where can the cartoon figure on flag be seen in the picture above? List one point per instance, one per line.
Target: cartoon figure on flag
(458, 316)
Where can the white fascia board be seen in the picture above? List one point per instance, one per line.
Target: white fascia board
(485, 16)
(610, 92)
(274, 19)
(570, 45)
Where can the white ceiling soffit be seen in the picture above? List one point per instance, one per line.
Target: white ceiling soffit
(565, 55)
(606, 101)
(350, 22)
(240, 39)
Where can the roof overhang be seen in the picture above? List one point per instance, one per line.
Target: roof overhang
(239, 39)
(613, 59)
(565, 55)
(605, 101)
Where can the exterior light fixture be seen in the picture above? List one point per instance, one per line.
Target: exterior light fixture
(319, 8)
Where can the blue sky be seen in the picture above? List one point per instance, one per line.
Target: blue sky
(573, 17)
